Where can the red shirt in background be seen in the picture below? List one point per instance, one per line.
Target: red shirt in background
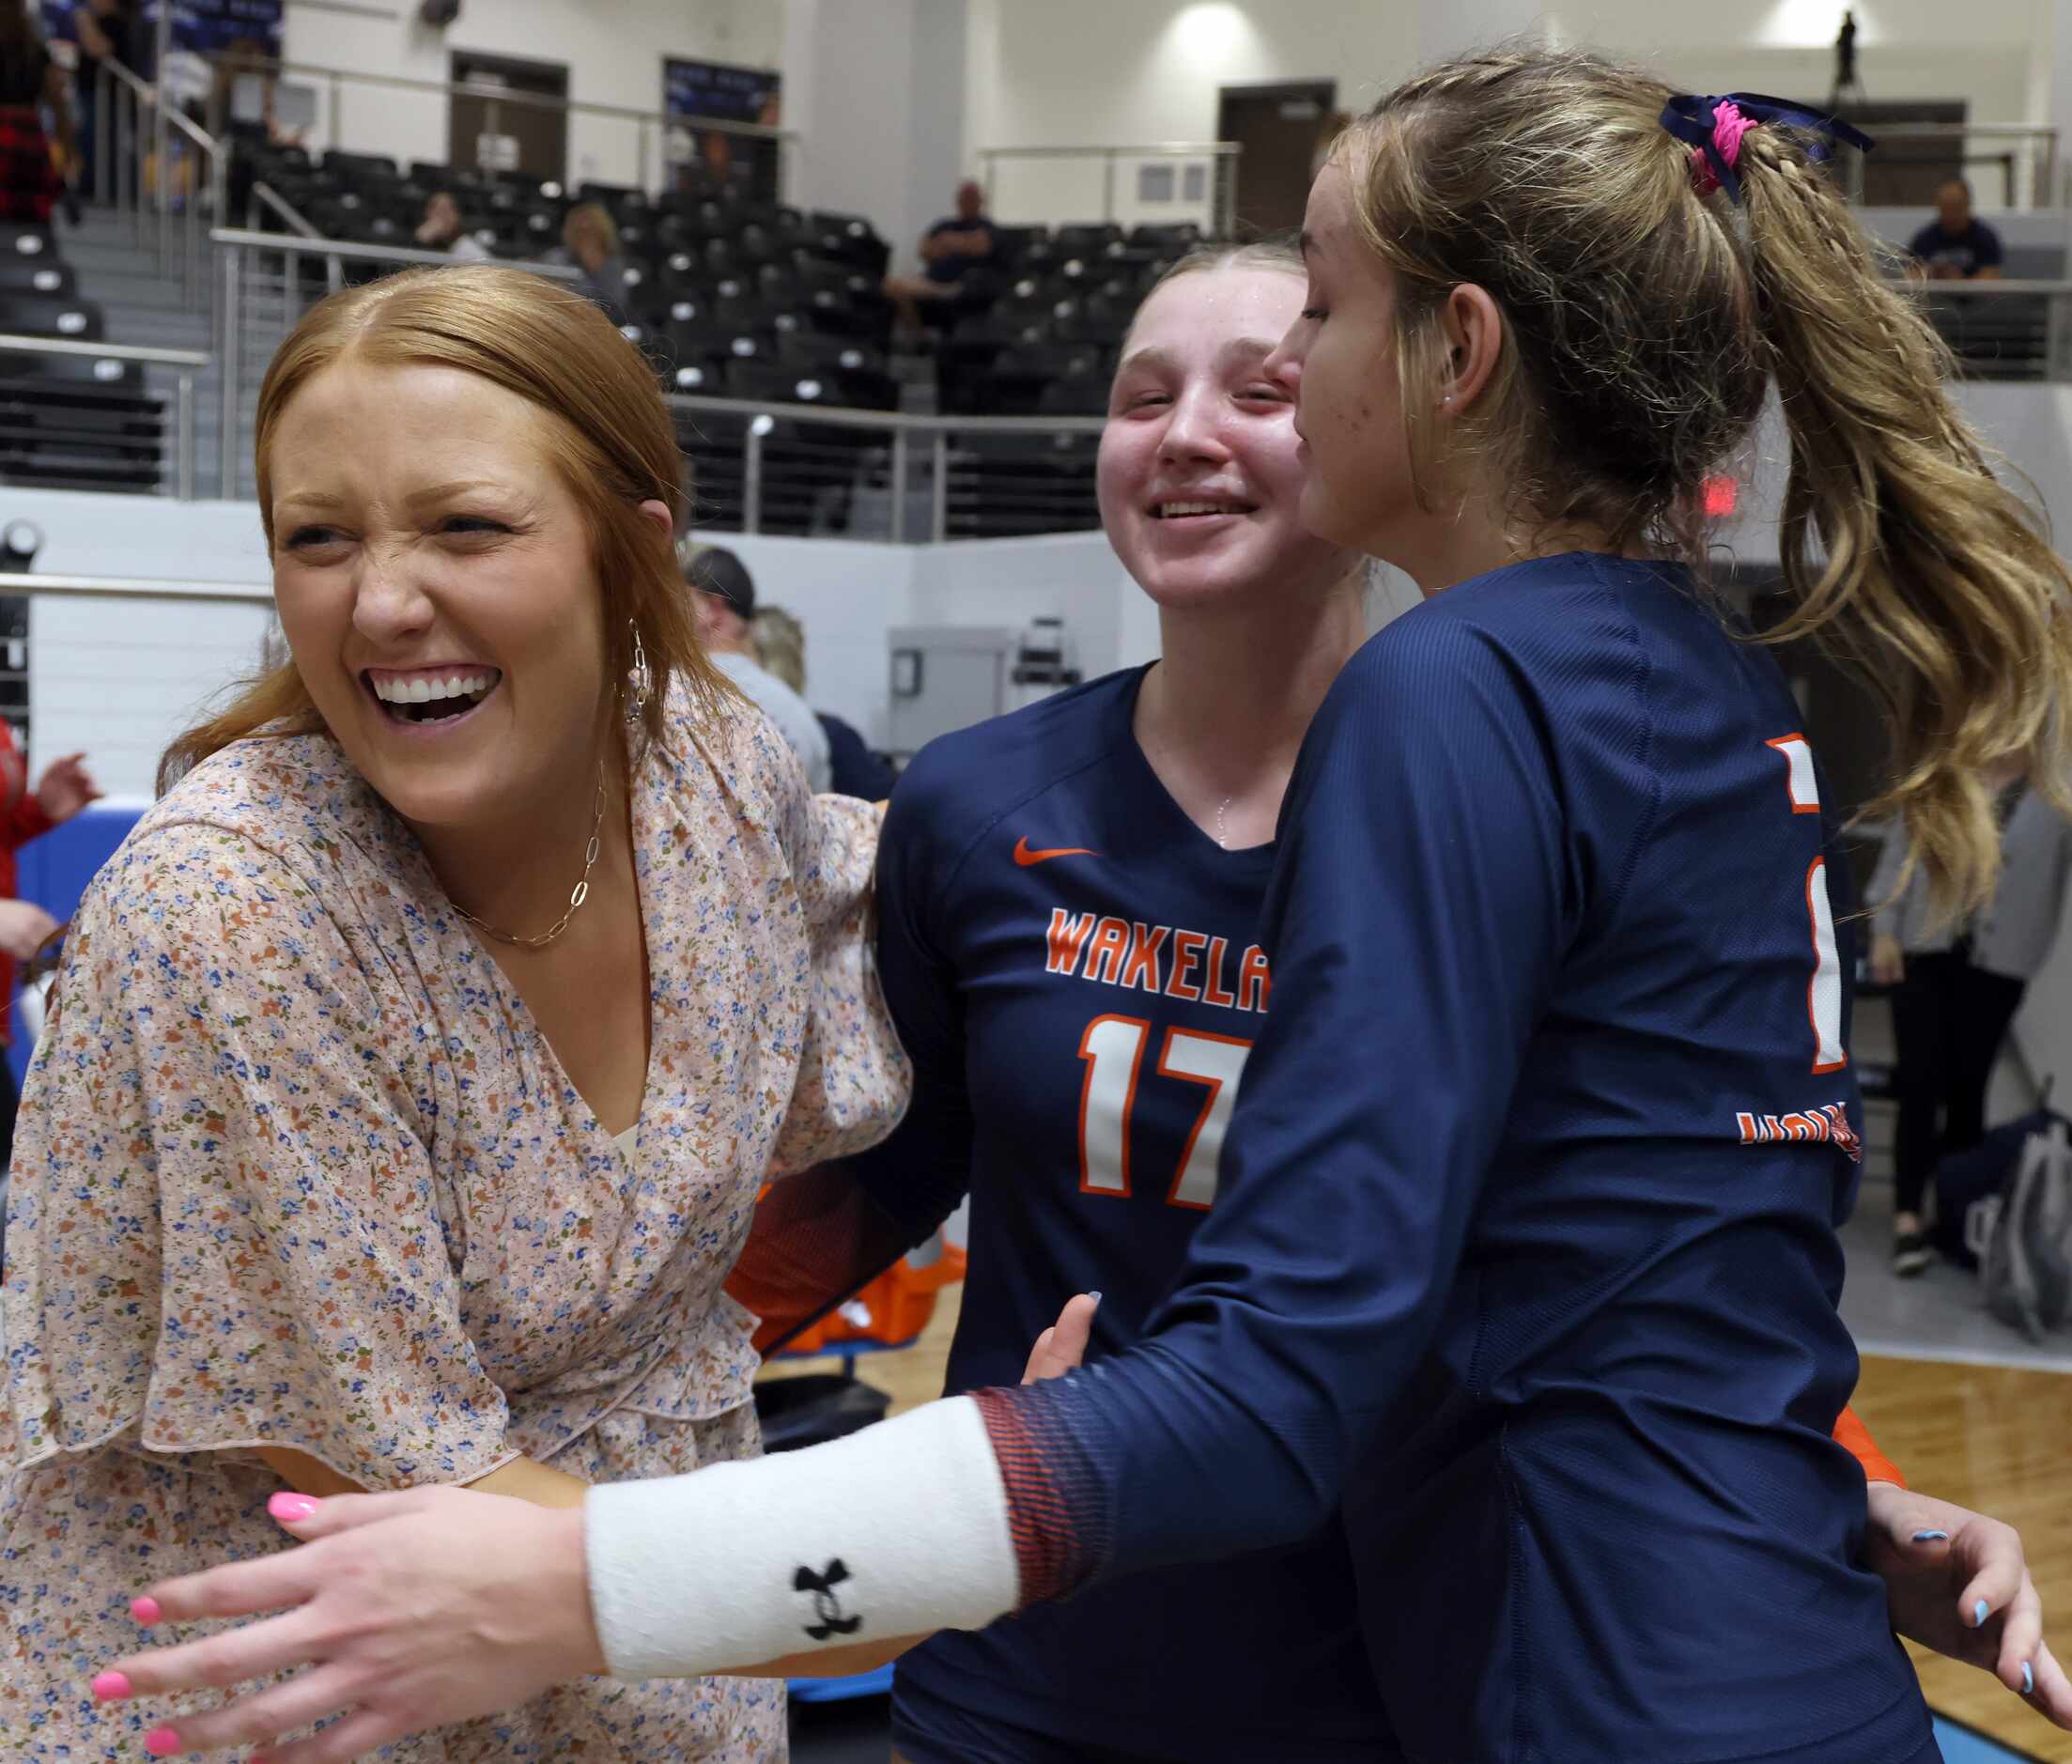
(23, 820)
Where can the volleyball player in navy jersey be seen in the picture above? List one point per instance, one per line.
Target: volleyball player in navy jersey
(1523, 1239)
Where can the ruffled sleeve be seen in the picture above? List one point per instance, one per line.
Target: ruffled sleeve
(853, 1080)
(227, 1232)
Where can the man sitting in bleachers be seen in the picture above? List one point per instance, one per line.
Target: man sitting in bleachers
(1956, 245)
(950, 251)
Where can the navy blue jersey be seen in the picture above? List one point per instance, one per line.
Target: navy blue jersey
(1524, 1247)
(1073, 966)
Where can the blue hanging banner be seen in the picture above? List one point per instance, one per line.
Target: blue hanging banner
(208, 31)
(712, 91)
(726, 94)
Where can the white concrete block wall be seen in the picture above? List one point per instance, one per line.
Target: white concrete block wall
(613, 51)
(120, 678)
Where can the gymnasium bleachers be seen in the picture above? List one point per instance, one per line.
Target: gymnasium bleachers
(67, 422)
(739, 299)
(736, 299)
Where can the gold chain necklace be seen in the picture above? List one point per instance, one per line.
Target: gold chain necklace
(578, 894)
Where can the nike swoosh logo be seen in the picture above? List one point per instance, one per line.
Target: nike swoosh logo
(1025, 856)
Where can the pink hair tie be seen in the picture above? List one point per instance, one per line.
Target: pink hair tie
(1728, 127)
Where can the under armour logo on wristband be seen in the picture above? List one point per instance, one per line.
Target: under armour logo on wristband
(826, 1604)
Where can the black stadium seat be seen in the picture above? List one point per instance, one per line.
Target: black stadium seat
(36, 316)
(1085, 239)
(28, 241)
(37, 275)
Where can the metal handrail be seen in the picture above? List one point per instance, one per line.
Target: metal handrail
(298, 221)
(1899, 130)
(126, 587)
(264, 192)
(352, 251)
(189, 363)
(231, 243)
(168, 117)
(147, 95)
(1224, 198)
(647, 120)
(898, 428)
(15, 344)
(510, 95)
(890, 422)
(1149, 150)
(1973, 288)
(2045, 133)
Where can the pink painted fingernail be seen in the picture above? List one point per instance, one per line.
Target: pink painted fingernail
(161, 1742)
(146, 1610)
(111, 1687)
(291, 1509)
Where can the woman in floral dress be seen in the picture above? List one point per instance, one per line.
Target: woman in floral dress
(363, 1150)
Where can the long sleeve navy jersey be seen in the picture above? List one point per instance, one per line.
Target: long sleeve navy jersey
(1074, 970)
(1524, 1251)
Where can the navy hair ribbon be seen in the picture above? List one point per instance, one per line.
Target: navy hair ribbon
(1695, 120)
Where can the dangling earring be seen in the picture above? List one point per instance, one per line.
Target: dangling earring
(641, 681)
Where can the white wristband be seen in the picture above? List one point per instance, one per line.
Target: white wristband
(898, 1529)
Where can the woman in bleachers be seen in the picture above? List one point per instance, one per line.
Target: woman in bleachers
(417, 1061)
(30, 85)
(589, 240)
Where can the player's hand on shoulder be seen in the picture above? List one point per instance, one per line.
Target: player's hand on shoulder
(1062, 1347)
(1959, 1583)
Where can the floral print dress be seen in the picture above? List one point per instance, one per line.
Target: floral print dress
(296, 1169)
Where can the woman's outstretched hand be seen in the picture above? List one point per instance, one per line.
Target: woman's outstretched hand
(427, 1607)
(1959, 1583)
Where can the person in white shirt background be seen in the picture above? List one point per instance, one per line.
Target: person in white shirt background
(726, 613)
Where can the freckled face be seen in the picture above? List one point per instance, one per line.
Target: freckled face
(434, 581)
(1341, 353)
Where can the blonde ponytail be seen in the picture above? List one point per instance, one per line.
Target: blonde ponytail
(1646, 318)
(1904, 552)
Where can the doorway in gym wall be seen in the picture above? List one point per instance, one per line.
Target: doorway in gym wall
(497, 135)
(1282, 127)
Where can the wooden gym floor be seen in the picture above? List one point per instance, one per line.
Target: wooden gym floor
(1990, 1438)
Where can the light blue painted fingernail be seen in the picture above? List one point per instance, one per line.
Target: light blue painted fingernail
(1931, 1537)
(1978, 1615)
(2028, 1679)
(1094, 1297)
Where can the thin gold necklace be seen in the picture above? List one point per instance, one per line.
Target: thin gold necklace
(578, 894)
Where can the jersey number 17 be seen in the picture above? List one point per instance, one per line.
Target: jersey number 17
(1113, 1049)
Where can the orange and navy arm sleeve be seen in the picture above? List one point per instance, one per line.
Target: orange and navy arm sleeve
(820, 1236)
(1855, 1438)
(1304, 1307)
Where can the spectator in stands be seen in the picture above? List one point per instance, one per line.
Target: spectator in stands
(1956, 989)
(589, 240)
(443, 229)
(854, 769)
(246, 82)
(30, 82)
(106, 30)
(950, 251)
(66, 787)
(1956, 245)
(726, 607)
